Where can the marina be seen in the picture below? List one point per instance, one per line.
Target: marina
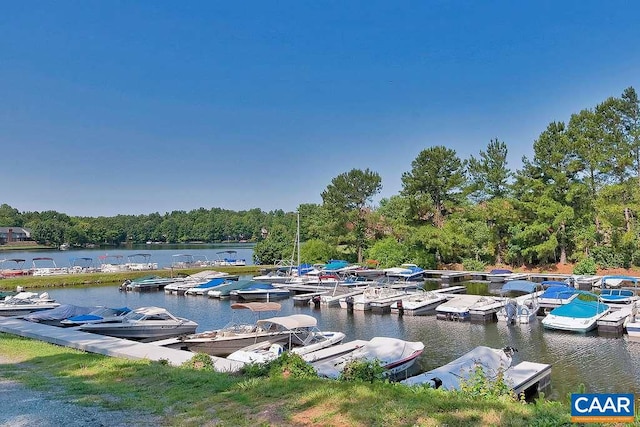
(573, 356)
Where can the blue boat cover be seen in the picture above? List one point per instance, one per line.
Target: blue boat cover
(211, 283)
(524, 286)
(500, 271)
(563, 291)
(580, 309)
(335, 264)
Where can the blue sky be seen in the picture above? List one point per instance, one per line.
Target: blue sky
(134, 107)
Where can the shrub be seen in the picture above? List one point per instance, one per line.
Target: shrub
(363, 370)
(585, 266)
(478, 385)
(200, 361)
(471, 264)
(286, 365)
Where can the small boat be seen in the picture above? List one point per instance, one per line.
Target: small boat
(25, 303)
(449, 377)
(362, 302)
(229, 259)
(96, 315)
(15, 268)
(111, 263)
(224, 289)
(581, 314)
(522, 306)
(143, 324)
(618, 296)
(55, 316)
(140, 262)
(235, 335)
(46, 266)
(557, 294)
(395, 356)
(304, 338)
(203, 288)
(618, 281)
(146, 283)
(633, 322)
(459, 307)
(259, 292)
(418, 303)
(181, 285)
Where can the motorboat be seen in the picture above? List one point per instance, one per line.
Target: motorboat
(98, 314)
(235, 335)
(556, 295)
(395, 356)
(181, 285)
(459, 307)
(492, 361)
(140, 262)
(522, 305)
(578, 315)
(618, 281)
(14, 268)
(618, 296)
(111, 263)
(304, 338)
(223, 290)
(362, 301)
(259, 292)
(228, 258)
(143, 324)
(55, 316)
(633, 322)
(151, 282)
(25, 303)
(418, 303)
(203, 288)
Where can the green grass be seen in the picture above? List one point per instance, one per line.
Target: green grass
(189, 397)
(28, 282)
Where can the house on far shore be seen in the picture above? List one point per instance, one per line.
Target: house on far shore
(14, 235)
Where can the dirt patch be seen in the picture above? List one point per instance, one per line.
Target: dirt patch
(550, 268)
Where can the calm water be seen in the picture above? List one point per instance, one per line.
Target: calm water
(161, 254)
(602, 364)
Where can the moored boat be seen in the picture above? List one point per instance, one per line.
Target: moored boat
(581, 314)
(522, 305)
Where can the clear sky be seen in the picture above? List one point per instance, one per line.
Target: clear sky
(134, 107)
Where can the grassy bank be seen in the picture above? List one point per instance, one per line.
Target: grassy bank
(36, 282)
(189, 397)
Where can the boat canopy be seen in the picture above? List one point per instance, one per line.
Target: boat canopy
(294, 321)
(139, 255)
(257, 306)
(500, 271)
(151, 310)
(617, 280)
(580, 309)
(524, 286)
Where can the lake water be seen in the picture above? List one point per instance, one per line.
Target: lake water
(602, 364)
(161, 254)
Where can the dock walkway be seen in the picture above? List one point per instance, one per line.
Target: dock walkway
(108, 346)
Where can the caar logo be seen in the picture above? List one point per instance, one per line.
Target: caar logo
(602, 408)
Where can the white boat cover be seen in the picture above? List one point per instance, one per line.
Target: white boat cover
(257, 306)
(449, 376)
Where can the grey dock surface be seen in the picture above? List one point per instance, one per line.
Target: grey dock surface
(108, 346)
(528, 377)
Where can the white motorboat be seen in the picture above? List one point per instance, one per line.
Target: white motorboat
(55, 316)
(633, 322)
(395, 356)
(523, 305)
(492, 361)
(259, 292)
(362, 302)
(581, 314)
(99, 314)
(418, 303)
(459, 307)
(304, 338)
(235, 335)
(143, 324)
(25, 303)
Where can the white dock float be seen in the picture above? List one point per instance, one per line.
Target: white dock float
(108, 346)
(451, 290)
(528, 377)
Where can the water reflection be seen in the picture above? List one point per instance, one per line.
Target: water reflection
(602, 364)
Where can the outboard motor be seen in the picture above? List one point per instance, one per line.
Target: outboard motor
(437, 382)
(349, 301)
(509, 351)
(316, 301)
(400, 308)
(511, 309)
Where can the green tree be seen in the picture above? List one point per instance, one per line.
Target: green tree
(315, 251)
(388, 252)
(276, 247)
(434, 184)
(489, 175)
(346, 198)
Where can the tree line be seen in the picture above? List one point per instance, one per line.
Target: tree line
(575, 200)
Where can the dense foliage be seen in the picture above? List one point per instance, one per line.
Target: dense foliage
(577, 198)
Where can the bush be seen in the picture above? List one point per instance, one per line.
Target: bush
(607, 257)
(200, 361)
(471, 264)
(286, 365)
(586, 266)
(363, 370)
(479, 386)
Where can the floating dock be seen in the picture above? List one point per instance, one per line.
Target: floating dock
(528, 377)
(613, 322)
(108, 346)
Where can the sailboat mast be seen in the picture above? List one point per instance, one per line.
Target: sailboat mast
(298, 238)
